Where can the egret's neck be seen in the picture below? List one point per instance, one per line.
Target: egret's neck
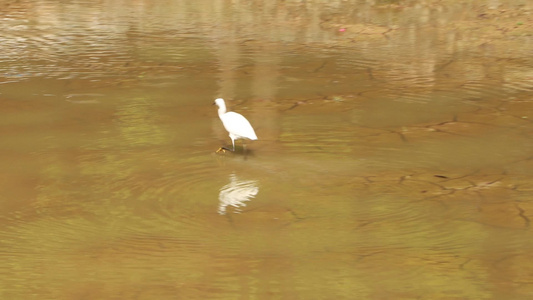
(221, 110)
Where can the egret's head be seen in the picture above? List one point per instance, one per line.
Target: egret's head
(219, 102)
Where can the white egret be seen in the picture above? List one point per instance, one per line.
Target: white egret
(237, 125)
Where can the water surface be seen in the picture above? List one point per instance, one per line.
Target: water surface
(393, 161)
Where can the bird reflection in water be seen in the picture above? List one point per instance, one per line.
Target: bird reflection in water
(236, 193)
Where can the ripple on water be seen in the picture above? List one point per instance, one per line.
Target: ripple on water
(397, 214)
(482, 88)
(136, 212)
(522, 84)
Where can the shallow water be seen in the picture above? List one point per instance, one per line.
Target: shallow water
(393, 162)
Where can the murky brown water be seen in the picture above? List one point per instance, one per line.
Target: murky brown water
(394, 158)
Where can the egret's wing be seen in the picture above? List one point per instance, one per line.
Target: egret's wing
(237, 124)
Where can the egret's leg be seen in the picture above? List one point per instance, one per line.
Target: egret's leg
(223, 149)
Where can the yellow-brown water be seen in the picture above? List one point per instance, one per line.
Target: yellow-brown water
(394, 158)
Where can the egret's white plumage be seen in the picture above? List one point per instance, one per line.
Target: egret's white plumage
(237, 125)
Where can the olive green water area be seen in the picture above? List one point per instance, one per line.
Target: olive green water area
(394, 158)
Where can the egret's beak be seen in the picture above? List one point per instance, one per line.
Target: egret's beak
(214, 103)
